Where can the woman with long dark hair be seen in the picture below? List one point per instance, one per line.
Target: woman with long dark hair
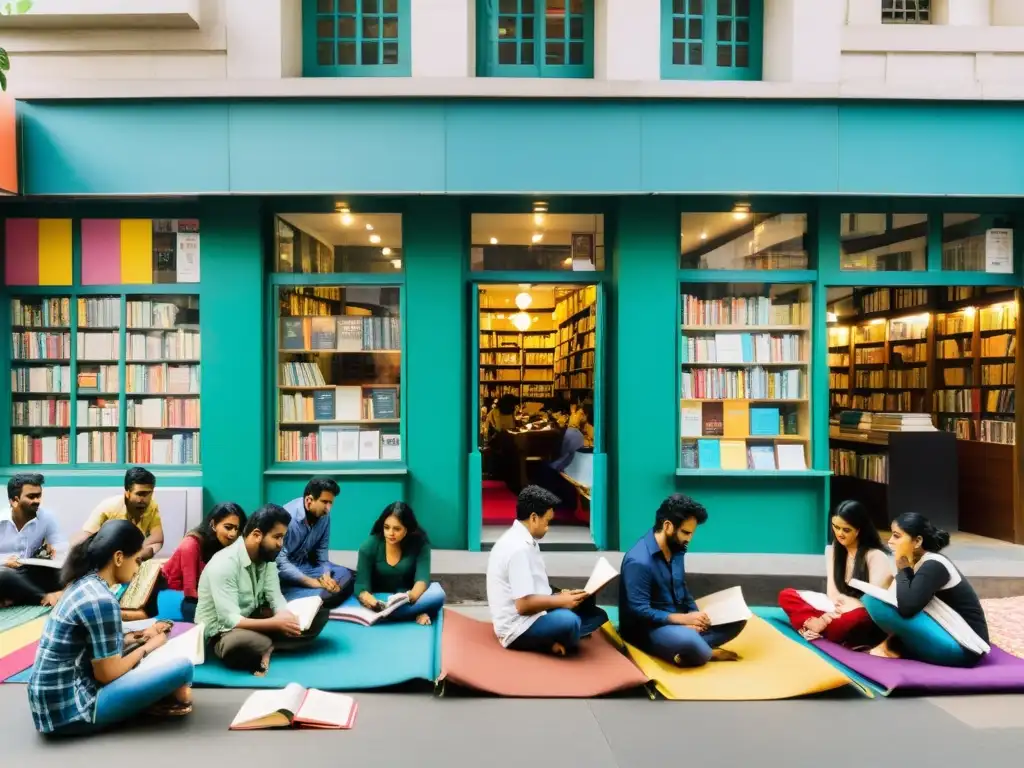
(396, 558)
(80, 681)
(181, 573)
(857, 552)
(937, 617)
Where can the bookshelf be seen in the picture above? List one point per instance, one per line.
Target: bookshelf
(576, 318)
(519, 363)
(744, 378)
(339, 352)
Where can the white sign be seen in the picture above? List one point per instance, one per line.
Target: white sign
(999, 251)
(188, 257)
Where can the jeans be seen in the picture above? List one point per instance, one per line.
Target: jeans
(561, 626)
(27, 585)
(341, 574)
(921, 637)
(692, 647)
(133, 693)
(430, 603)
(244, 649)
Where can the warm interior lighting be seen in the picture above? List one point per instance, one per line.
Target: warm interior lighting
(369, 227)
(396, 263)
(521, 321)
(740, 211)
(567, 261)
(494, 241)
(345, 213)
(832, 317)
(969, 311)
(921, 319)
(878, 321)
(537, 237)
(523, 299)
(1003, 306)
(385, 251)
(703, 235)
(375, 239)
(540, 208)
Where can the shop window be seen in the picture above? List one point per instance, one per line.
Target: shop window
(884, 242)
(906, 11)
(744, 377)
(345, 242)
(743, 239)
(535, 38)
(356, 38)
(538, 241)
(973, 242)
(712, 39)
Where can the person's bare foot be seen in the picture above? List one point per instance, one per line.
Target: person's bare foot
(264, 665)
(558, 649)
(721, 654)
(883, 651)
(423, 620)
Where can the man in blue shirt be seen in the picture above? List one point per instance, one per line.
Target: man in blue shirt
(28, 531)
(304, 566)
(656, 611)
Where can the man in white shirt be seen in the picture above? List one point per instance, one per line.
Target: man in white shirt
(525, 613)
(29, 531)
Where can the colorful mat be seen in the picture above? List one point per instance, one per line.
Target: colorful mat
(20, 614)
(18, 647)
(346, 657)
(771, 667)
(473, 658)
(1005, 616)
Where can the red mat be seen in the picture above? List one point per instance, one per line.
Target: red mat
(471, 656)
(499, 503)
(18, 661)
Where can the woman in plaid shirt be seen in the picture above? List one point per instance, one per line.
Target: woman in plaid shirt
(81, 681)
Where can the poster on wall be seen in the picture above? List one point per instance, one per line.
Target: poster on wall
(583, 252)
(999, 251)
(176, 250)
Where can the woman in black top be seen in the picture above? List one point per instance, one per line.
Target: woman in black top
(922, 575)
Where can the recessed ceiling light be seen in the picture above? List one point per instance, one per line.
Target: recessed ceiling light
(375, 239)
(385, 251)
(537, 237)
(494, 241)
(703, 235)
(369, 227)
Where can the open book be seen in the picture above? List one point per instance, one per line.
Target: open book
(42, 562)
(190, 645)
(725, 607)
(603, 573)
(354, 611)
(294, 705)
(305, 610)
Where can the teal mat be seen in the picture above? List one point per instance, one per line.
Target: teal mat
(21, 677)
(346, 657)
(21, 614)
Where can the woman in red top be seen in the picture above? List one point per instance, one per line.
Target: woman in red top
(183, 570)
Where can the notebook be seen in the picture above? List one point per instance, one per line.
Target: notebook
(295, 706)
(357, 614)
(305, 610)
(189, 645)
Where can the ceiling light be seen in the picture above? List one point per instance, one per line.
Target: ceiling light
(567, 261)
(494, 241)
(385, 251)
(969, 311)
(537, 237)
(375, 239)
(703, 235)
(396, 263)
(521, 321)
(369, 227)
(831, 317)
(524, 300)
(740, 211)
(345, 213)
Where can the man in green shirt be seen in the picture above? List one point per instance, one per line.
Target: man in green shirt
(240, 602)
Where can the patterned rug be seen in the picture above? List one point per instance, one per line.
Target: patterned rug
(1005, 616)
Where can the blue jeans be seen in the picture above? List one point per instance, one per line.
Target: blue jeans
(430, 603)
(561, 626)
(920, 636)
(339, 573)
(692, 647)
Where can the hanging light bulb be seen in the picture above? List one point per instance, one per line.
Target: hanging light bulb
(345, 213)
(524, 299)
(521, 321)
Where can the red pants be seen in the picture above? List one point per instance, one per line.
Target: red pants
(850, 629)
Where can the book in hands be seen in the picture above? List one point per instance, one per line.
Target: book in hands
(298, 707)
(305, 609)
(190, 645)
(725, 607)
(603, 573)
(356, 613)
(41, 562)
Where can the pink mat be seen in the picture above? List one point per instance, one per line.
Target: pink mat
(18, 661)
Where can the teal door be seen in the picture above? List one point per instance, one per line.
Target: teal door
(599, 489)
(475, 475)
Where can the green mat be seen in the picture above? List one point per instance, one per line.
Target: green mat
(346, 657)
(20, 614)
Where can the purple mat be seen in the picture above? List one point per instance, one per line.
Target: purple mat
(998, 672)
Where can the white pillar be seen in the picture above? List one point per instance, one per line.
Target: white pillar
(264, 39)
(627, 40)
(863, 12)
(963, 13)
(442, 38)
(1008, 13)
(803, 40)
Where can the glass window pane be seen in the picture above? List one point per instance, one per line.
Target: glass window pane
(554, 29)
(724, 29)
(697, 7)
(347, 27)
(326, 243)
(725, 7)
(678, 53)
(390, 6)
(507, 27)
(390, 53)
(507, 53)
(576, 54)
(391, 29)
(744, 240)
(526, 53)
(346, 53)
(974, 242)
(339, 373)
(547, 242)
(325, 28)
(528, 28)
(742, 56)
(555, 53)
(371, 27)
(696, 54)
(324, 54)
(369, 54)
(576, 28)
(370, 6)
(325, 6)
(744, 372)
(508, 6)
(724, 56)
(346, 6)
(879, 242)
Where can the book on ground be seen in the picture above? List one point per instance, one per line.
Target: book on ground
(725, 607)
(603, 573)
(357, 614)
(189, 645)
(305, 610)
(295, 706)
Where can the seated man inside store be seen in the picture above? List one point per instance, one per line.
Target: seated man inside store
(574, 439)
(304, 563)
(246, 618)
(657, 612)
(29, 531)
(527, 614)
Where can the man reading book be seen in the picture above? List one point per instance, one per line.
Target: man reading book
(304, 563)
(657, 612)
(240, 602)
(27, 531)
(527, 614)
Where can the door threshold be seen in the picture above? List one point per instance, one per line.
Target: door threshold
(560, 538)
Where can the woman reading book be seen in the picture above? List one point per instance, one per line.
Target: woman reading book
(937, 617)
(181, 573)
(396, 558)
(82, 681)
(857, 552)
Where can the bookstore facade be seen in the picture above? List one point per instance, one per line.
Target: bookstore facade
(270, 310)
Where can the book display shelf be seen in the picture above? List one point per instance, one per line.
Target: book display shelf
(576, 316)
(744, 378)
(339, 351)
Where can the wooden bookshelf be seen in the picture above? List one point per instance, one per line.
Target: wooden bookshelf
(575, 353)
(519, 363)
(744, 379)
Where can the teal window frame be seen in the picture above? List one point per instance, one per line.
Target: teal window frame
(489, 17)
(677, 20)
(362, 12)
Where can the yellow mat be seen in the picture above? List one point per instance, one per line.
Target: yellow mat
(17, 638)
(771, 666)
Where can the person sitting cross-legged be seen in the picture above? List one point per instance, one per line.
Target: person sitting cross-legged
(657, 612)
(240, 604)
(527, 615)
